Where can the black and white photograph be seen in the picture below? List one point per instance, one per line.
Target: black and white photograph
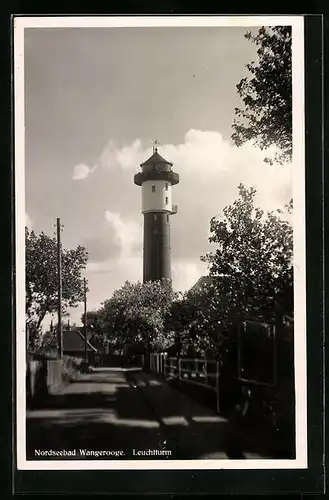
(160, 242)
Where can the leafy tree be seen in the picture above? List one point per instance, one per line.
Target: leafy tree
(96, 332)
(267, 94)
(49, 343)
(177, 323)
(252, 263)
(252, 267)
(33, 335)
(196, 321)
(136, 313)
(41, 277)
(93, 320)
(180, 314)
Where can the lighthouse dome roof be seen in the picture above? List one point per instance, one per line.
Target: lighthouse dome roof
(156, 163)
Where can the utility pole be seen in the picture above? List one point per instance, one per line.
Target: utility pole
(59, 283)
(85, 315)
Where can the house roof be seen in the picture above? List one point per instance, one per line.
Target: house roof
(73, 340)
(207, 280)
(202, 281)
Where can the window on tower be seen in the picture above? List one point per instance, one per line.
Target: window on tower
(153, 189)
(166, 200)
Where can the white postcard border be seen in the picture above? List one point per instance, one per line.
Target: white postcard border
(297, 23)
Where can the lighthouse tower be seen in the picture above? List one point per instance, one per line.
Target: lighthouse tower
(156, 180)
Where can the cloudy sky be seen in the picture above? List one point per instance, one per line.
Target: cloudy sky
(95, 99)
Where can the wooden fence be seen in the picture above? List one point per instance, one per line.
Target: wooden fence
(201, 372)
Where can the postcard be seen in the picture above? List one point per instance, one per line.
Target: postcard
(160, 242)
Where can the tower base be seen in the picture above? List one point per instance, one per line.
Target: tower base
(157, 251)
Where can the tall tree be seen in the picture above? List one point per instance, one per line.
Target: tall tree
(253, 270)
(93, 320)
(136, 312)
(196, 321)
(96, 332)
(252, 261)
(266, 117)
(41, 277)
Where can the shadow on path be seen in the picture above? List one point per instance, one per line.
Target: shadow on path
(124, 412)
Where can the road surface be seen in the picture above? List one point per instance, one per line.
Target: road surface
(114, 413)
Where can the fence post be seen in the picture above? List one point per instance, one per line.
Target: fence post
(217, 388)
(179, 369)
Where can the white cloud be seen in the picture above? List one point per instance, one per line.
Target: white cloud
(206, 161)
(127, 233)
(186, 273)
(127, 156)
(210, 170)
(124, 157)
(28, 221)
(82, 171)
